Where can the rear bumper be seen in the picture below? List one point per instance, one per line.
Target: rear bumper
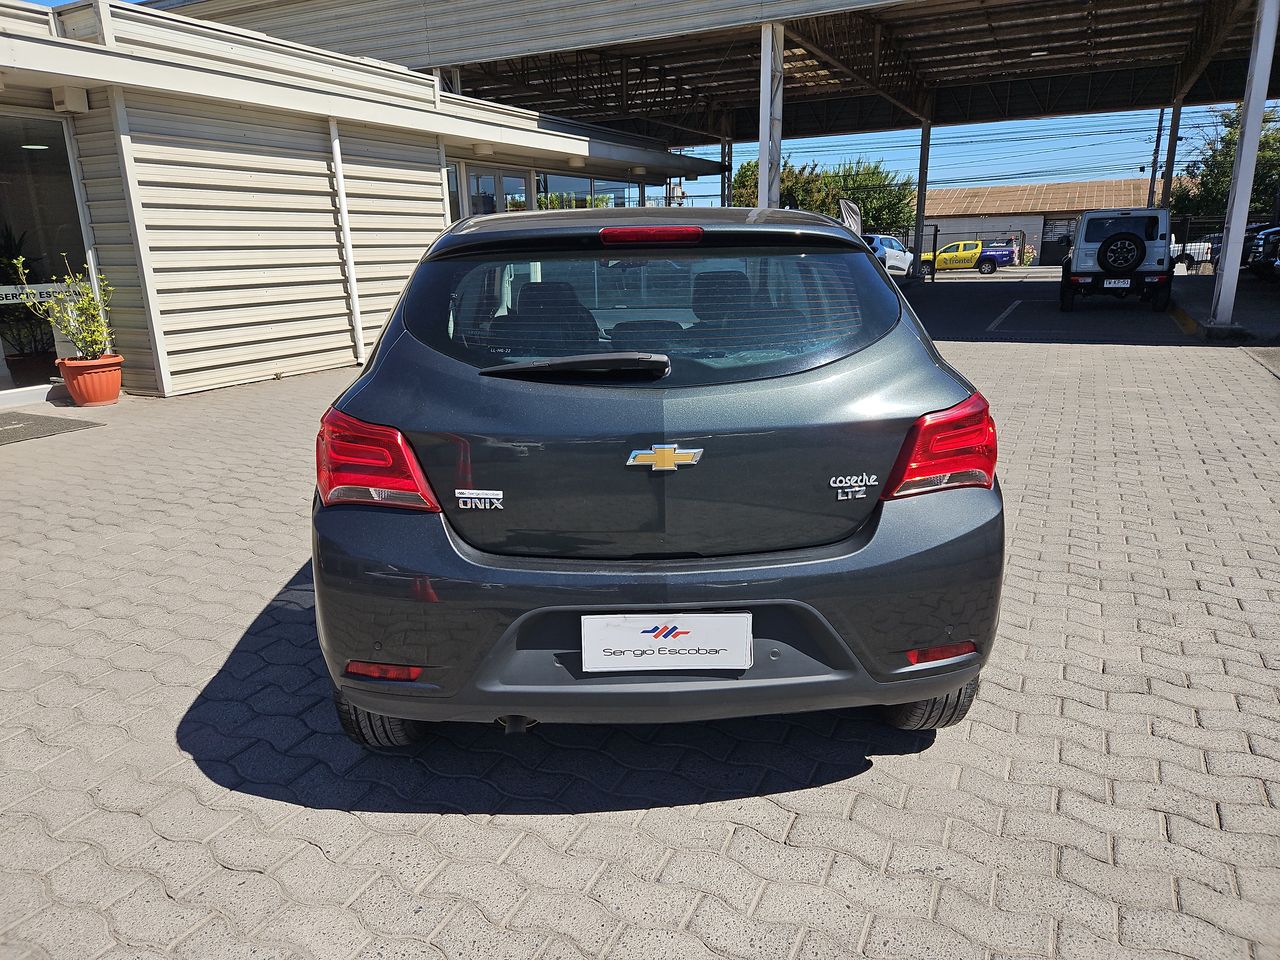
(1141, 283)
(500, 635)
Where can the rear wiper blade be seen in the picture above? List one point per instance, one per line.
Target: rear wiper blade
(653, 366)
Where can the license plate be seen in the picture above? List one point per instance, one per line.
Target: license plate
(666, 641)
(1122, 284)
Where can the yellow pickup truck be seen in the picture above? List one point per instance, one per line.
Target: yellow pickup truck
(967, 255)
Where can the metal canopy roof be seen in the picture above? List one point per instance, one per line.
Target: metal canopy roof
(956, 61)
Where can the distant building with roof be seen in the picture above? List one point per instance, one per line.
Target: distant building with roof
(1038, 214)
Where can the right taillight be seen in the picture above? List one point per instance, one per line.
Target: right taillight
(955, 447)
(358, 462)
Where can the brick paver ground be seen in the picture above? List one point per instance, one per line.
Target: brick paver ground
(174, 783)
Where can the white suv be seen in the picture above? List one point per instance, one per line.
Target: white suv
(893, 256)
(1120, 252)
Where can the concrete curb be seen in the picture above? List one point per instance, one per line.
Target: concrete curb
(1197, 328)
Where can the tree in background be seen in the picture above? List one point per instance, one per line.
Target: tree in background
(1207, 183)
(802, 187)
(886, 199)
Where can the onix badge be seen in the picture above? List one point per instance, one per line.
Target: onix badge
(664, 456)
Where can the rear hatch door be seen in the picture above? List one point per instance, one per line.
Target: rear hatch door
(786, 407)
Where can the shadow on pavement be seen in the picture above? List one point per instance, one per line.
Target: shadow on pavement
(264, 725)
(1025, 310)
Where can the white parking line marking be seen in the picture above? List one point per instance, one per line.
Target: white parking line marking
(1000, 319)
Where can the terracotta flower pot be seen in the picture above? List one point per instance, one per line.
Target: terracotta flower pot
(92, 383)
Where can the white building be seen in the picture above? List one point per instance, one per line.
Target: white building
(257, 204)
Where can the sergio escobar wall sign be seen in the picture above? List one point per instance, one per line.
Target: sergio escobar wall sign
(44, 291)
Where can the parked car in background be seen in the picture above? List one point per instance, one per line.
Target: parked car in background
(1119, 253)
(969, 255)
(1264, 253)
(1190, 254)
(1215, 245)
(893, 256)
(709, 464)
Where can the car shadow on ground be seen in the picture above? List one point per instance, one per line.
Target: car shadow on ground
(265, 725)
(973, 308)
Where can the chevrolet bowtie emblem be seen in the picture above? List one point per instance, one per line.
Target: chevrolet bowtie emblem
(664, 456)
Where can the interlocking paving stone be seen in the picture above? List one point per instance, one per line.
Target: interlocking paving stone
(174, 782)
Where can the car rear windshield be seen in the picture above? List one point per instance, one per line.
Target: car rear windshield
(721, 315)
(1100, 228)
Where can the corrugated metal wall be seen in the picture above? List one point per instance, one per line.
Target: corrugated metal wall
(114, 242)
(25, 18)
(393, 30)
(242, 231)
(212, 47)
(427, 33)
(241, 222)
(396, 203)
(26, 97)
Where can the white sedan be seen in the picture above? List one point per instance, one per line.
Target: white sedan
(890, 252)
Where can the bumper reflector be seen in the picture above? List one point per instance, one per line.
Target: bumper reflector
(946, 651)
(381, 671)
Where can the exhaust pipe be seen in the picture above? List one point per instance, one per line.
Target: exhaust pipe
(514, 723)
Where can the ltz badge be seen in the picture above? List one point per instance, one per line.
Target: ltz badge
(854, 486)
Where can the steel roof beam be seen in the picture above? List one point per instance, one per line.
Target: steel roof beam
(887, 71)
(1217, 20)
(605, 87)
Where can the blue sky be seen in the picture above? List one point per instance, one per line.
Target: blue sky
(1100, 146)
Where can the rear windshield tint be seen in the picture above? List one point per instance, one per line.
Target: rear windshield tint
(720, 315)
(1100, 228)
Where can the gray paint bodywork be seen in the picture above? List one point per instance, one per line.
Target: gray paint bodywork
(489, 602)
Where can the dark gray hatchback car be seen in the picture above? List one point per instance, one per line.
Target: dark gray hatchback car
(654, 465)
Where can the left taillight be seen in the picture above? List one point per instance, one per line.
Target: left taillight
(951, 448)
(358, 462)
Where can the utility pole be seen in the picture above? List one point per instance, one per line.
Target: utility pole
(1155, 157)
(922, 191)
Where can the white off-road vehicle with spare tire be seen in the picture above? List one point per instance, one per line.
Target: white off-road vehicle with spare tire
(1120, 253)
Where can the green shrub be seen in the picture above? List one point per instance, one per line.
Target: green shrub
(74, 309)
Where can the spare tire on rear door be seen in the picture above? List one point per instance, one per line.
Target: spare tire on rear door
(1122, 253)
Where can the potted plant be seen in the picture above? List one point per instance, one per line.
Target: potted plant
(80, 314)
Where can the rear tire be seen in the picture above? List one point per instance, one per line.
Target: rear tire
(373, 729)
(986, 267)
(1161, 299)
(934, 713)
(926, 269)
